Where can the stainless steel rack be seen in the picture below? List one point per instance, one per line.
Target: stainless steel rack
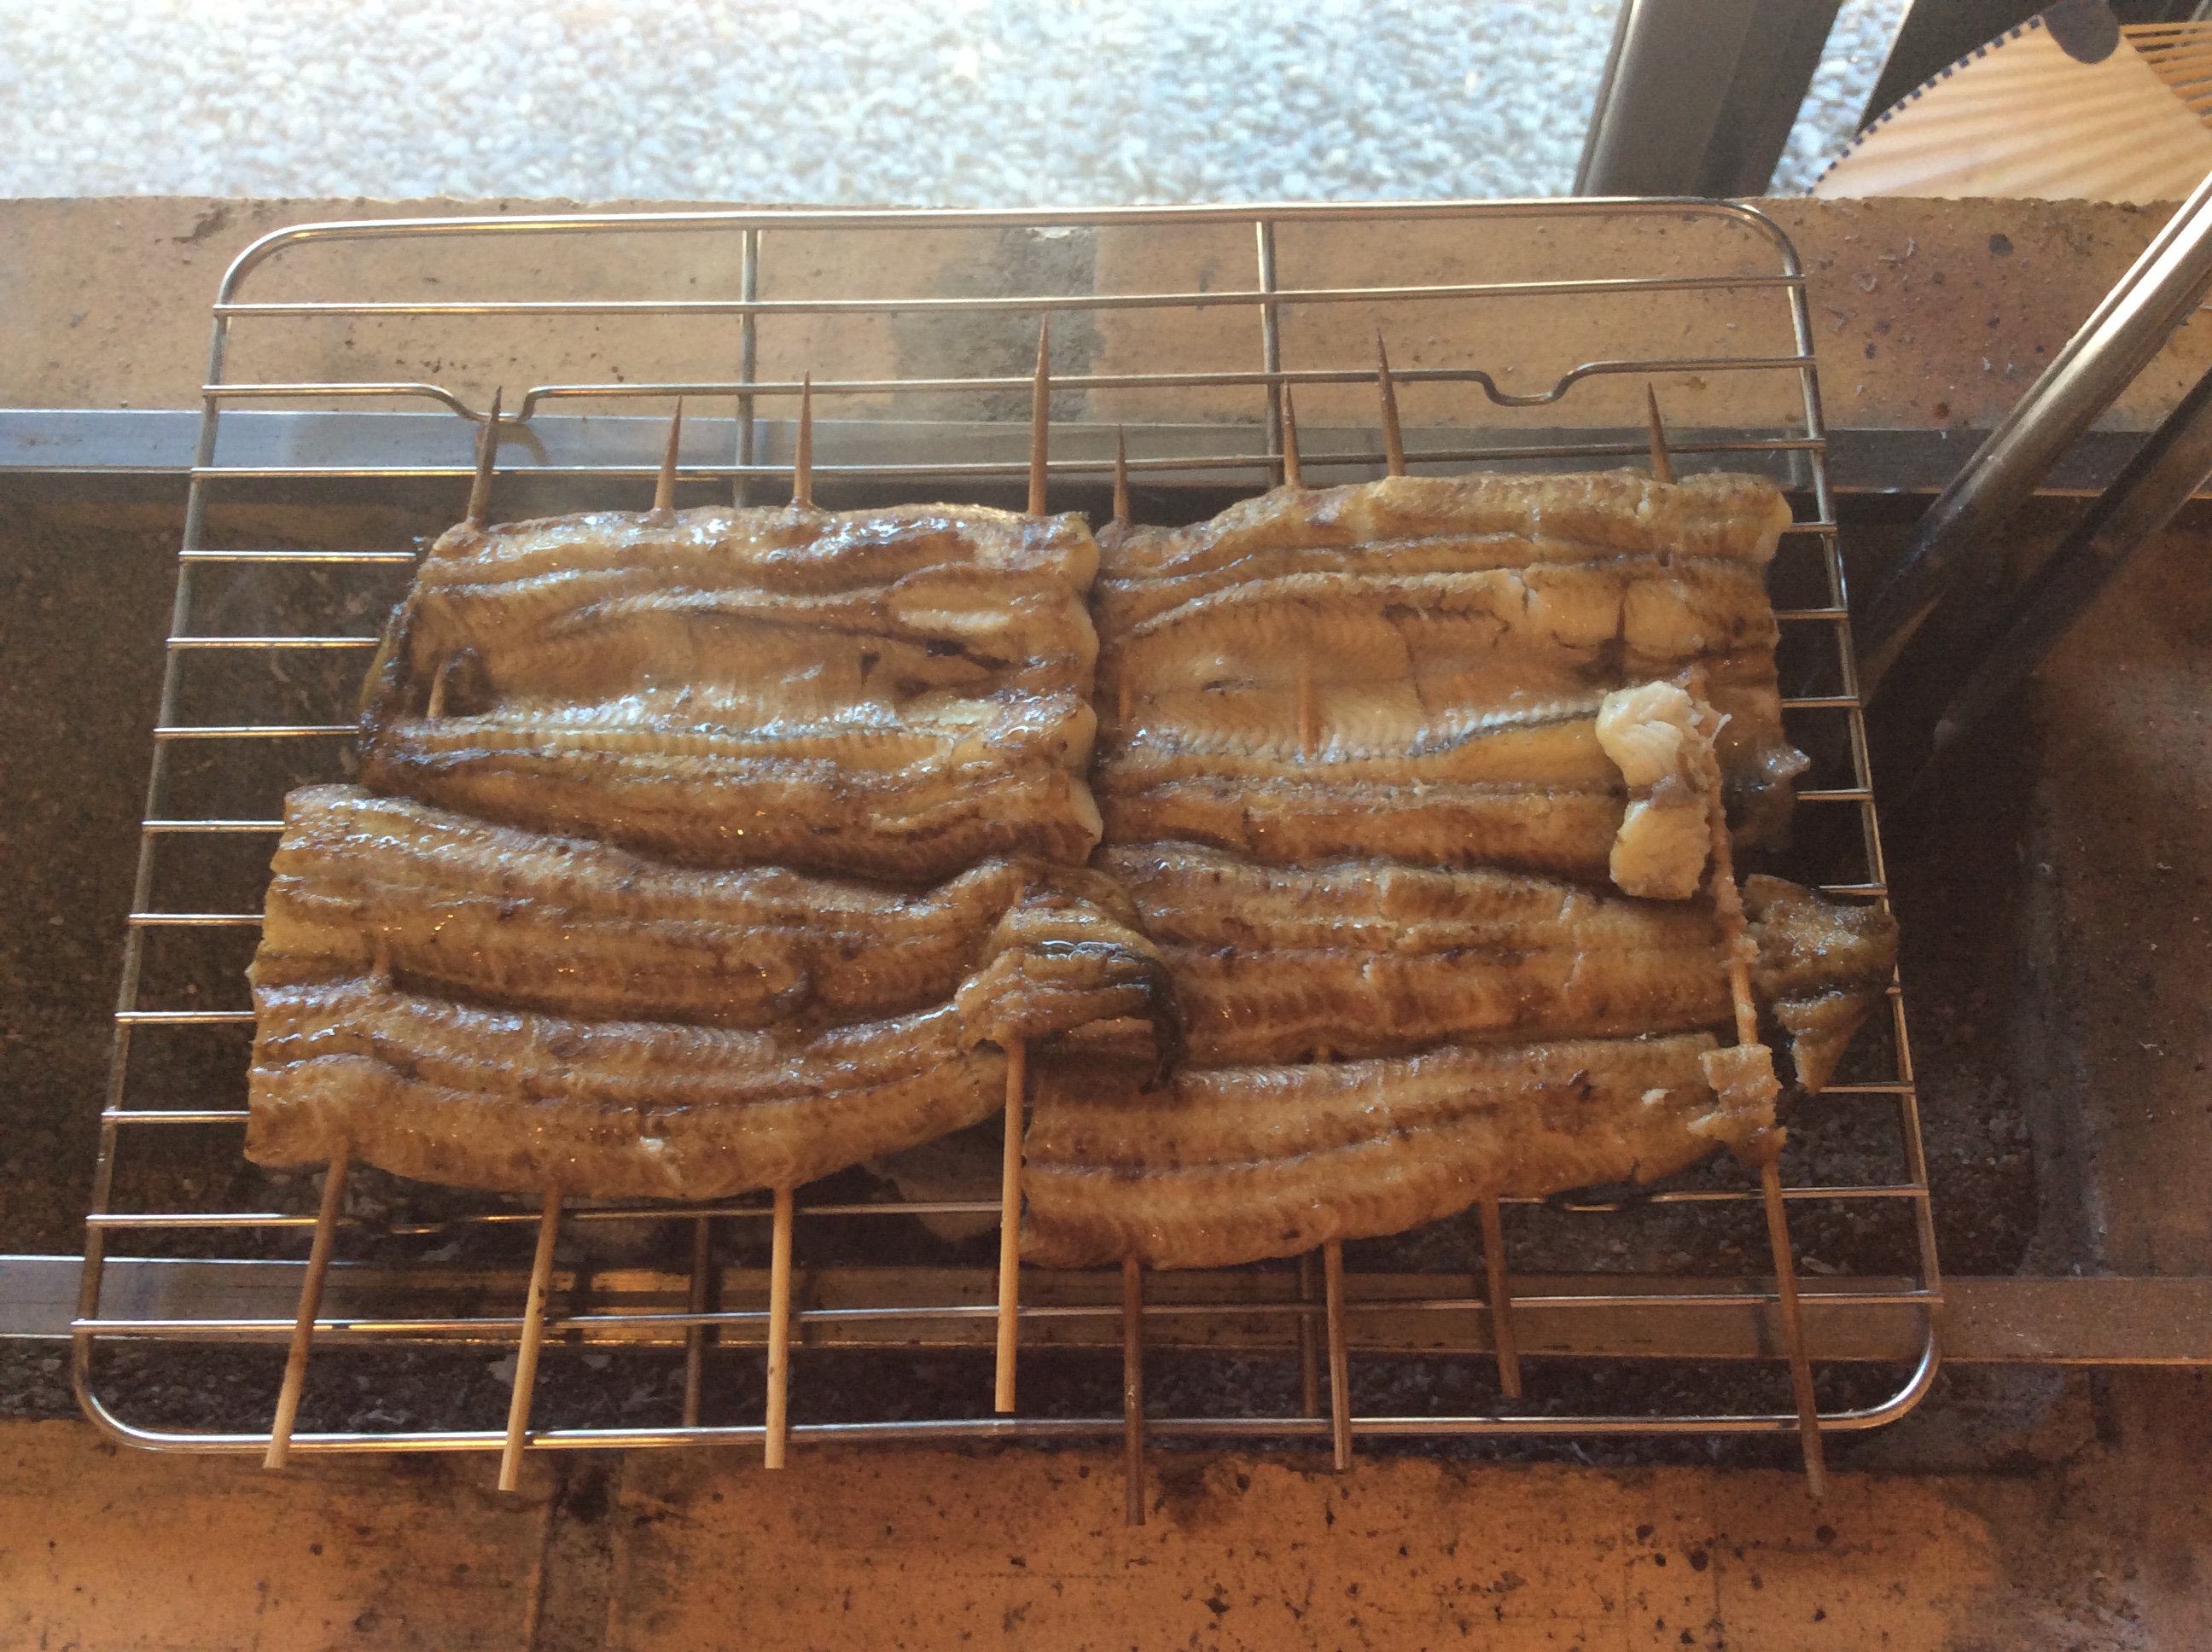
(1189, 350)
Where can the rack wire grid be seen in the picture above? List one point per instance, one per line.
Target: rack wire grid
(1184, 325)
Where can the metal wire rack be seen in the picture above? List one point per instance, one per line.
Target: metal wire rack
(1184, 325)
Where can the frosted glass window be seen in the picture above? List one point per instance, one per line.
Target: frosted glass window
(922, 102)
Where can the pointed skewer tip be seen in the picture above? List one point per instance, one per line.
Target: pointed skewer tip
(1394, 441)
(1662, 457)
(802, 463)
(1041, 418)
(1121, 475)
(664, 491)
(487, 457)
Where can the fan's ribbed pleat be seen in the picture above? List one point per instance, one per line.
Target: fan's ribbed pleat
(2020, 117)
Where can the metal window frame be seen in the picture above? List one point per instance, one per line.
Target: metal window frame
(1698, 96)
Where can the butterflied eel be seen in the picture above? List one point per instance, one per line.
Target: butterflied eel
(895, 694)
(1374, 957)
(875, 605)
(1235, 1164)
(709, 798)
(1487, 519)
(1453, 639)
(519, 1102)
(488, 915)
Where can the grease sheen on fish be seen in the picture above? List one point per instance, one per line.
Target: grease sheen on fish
(515, 1101)
(473, 1004)
(896, 693)
(1240, 1163)
(1375, 957)
(1433, 634)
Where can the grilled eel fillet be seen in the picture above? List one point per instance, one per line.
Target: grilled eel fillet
(472, 1004)
(1235, 1164)
(519, 1102)
(1369, 957)
(1450, 641)
(895, 694)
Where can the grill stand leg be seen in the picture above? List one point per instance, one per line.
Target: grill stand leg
(310, 1303)
(533, 1336)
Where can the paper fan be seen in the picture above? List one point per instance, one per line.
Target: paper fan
(2066, 106)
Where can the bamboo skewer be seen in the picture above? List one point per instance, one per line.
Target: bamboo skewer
(695, 1336)
(1730, 906)
(802, 451)
(1122, 694)
(1394, 440)
(1121, 475)
(1132, 1388)
(1793, 1325)
(1728, 911)
(663, 488)
(1010, 1166)
(487, 457)
(776, 1414)
(1308, 712)
(1662, 457)
(310, 1303)
(1308, 1345)
(1332, 1252)
(327, 1223)
(779, 1332)
(1040, 417)
(1340, 1357)
(776, 1411)
(1010, 1226)
(1339, 1361)
(533, 1335)
(1501, 1299)
(548, 1227)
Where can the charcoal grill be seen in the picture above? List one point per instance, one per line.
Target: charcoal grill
(1192, 322)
